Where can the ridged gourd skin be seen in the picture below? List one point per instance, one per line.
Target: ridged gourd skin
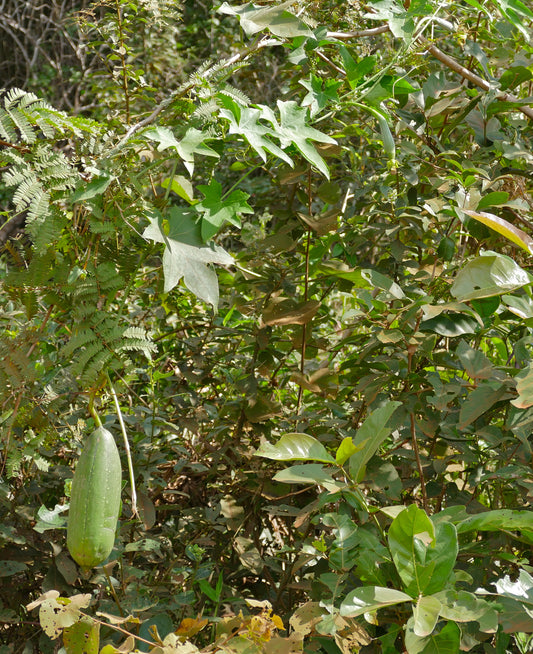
(95, 500)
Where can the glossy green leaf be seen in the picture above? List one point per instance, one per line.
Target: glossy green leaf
(346, 449)
(462, 606)
(490, 200)
(488, 275)
(524, 387)
(370, 435)
(371, 598)
(295, 447)
(500, 519)
(410, 535)
(446, 641)
(424, 554)
(343, 553)
(426, 614)
(311, 473)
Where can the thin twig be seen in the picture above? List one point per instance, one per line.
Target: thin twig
(445, 59)
(419, 463)
(182, 90)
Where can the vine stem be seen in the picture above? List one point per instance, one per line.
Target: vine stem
(306, 291)
(127, 448)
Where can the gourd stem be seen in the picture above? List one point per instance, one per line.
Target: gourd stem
(127, 448)
(93, 411)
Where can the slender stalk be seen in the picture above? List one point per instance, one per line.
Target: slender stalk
(122, 53)
(134, 509)
(419, 463)
(306, 291)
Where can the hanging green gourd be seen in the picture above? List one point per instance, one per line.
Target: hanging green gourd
(95, 500)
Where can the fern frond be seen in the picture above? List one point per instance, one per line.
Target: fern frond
(16, 369)
(14, 461)
(236, 94)
(206, 110)
(45, 227)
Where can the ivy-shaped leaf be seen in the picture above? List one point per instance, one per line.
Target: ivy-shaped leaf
(193, 142)
(246, 124)
(276, 18)
(185, 256)
(293, 129)
(218, 208)
(320, 93)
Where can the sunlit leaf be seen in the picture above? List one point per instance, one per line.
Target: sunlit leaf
(311, 473)
(295, 447)
(276, 18)
(293, 128)
(503, 227)
(346, 449)
(524, 387)
(369, 437)
(462, 606)
(499, 519)
(488, 275)
(426, 614)
(370, 598)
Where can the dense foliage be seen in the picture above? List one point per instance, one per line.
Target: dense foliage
(281, 252)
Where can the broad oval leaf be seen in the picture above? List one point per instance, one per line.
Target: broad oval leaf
(371, 598)
(410, 534)
(309, 473)
(488, 275)
(370, 435)
(295, 447)
(524, 386)
(447, 641)
(504, 519)
(426, 613)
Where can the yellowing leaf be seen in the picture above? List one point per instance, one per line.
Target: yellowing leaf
(517, 236)
(83, 637)
(191, 626)
(283, 311)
